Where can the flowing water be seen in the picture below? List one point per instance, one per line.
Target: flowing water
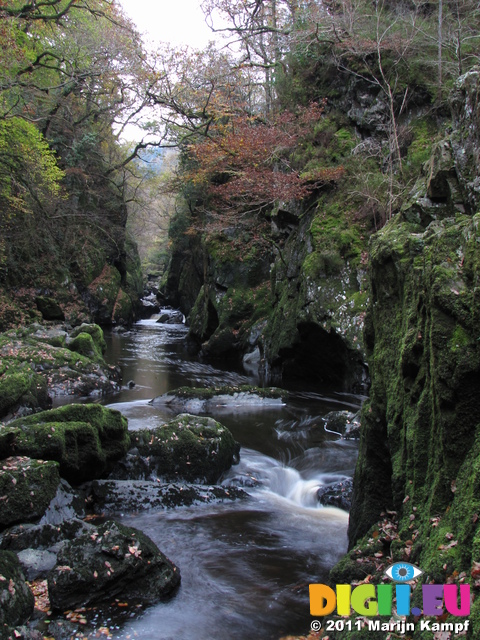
(245, 565)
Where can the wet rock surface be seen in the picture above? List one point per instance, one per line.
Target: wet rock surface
(170, 317)
(338, 494)
(120, 496)
(345, 423)
(115, 560)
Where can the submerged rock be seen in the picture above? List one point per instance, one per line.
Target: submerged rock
(202, 400)
(113, 561)
(84, 439)
(190, 448)
(345, 423)
(115, 496)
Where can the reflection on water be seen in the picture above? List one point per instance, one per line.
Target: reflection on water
(245, 566)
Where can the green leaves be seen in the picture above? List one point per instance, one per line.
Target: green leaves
(27, 164)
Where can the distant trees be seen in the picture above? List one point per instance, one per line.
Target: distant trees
(71, 72)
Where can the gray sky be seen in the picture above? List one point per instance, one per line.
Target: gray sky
(178, 22)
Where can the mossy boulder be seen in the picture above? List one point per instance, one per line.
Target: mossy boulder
(26, 489)
(190, 448)
(112, 561)
(34, 364)
(16, 599)
(84, 439)
(204, 400)
(95, 332)
(20, 386)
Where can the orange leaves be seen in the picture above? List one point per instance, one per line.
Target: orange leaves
(245, 161)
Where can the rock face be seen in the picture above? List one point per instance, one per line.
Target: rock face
(189, 448)
(113, 561)
(418, 472)
(295, 307)
(84, 439)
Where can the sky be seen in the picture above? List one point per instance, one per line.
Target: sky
(178, 22)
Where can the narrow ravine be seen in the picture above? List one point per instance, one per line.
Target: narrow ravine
(246, 565)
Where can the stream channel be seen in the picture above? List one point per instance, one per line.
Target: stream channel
(245, 565)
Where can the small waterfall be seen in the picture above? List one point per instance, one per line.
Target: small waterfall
(289, 484)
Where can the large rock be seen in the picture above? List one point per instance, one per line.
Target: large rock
(191, 448)
(16, 599)
(118, 496)
(26, 489)
(113, 561)
(85, 439)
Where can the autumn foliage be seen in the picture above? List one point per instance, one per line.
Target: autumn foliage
(245, 163)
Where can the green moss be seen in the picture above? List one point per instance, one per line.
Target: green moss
(95, 332)
(460, 339)
(84, 439)
(84, 345)
(424, 133)
(29, 486)
(188, 447)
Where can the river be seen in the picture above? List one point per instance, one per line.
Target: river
(245, 565)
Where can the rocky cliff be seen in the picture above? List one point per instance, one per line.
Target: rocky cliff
(417, 482)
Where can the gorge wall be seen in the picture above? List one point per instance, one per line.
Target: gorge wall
(416, 487)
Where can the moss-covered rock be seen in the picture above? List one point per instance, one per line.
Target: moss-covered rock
(96, 334)
(191, 448)
(108, 300)
(35, 364)
(16, 599)
(26, 489)
(113, 561)
(21, 386)
(84, 439)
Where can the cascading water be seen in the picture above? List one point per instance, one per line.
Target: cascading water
(245, 565)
